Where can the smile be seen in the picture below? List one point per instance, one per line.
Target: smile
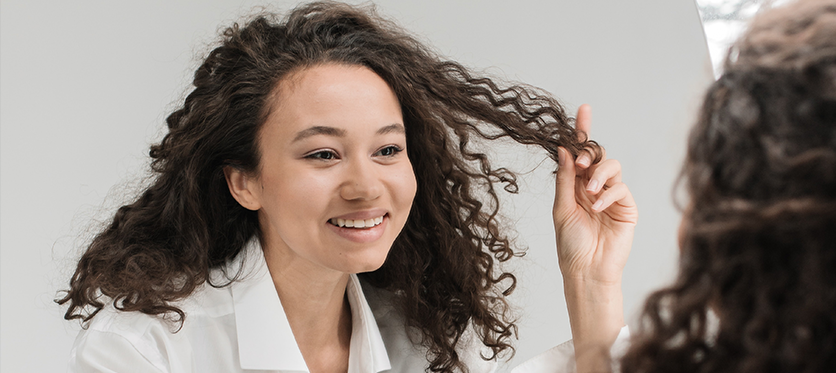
(351, 223)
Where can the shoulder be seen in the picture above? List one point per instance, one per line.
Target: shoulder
(561, 358)
(205, 302)
(122, 341)
(115, 341)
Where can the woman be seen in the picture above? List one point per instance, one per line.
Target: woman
(756, 290)
(313, 149)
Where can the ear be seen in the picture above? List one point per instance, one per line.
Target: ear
(243, 187)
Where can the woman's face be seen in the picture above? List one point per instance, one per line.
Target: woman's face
(334, 186)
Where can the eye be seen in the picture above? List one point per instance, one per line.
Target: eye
(389, 151)
(325, 155)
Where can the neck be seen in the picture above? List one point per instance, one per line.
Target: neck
(314, 300)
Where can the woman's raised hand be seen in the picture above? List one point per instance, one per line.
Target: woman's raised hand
(594, 214)
(594, 218)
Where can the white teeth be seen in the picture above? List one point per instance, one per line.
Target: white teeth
(349, 223)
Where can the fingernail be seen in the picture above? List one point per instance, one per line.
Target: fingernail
(583, 160)
(597, 205)
(592, 186)
(561, 159)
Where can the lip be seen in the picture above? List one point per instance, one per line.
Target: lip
(362, 215)
(361, 235)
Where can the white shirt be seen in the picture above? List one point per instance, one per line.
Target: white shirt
(243, 328)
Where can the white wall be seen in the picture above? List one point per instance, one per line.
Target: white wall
(85, 86)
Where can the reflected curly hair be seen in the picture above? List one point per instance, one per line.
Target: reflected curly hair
(758, 238)
(443, 268)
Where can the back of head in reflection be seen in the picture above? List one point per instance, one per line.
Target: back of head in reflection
(758, 238)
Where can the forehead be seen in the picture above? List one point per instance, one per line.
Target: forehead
(335, 95)
(330, 83)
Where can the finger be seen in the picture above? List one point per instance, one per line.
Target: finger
(584, 160)
(564, 199)
(583, 126)
(583, 122)
(607, 172)
(616, 193)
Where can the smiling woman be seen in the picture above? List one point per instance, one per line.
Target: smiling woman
(319, 206)
(338, 130)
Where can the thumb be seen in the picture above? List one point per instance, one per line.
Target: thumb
(564, 198)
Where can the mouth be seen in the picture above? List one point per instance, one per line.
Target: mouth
(357, 223)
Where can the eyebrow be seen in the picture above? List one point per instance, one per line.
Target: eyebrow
(337, 132)
(319, 130)
(392, 128)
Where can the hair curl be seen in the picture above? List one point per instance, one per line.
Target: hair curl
(442, 267)
(758, 238)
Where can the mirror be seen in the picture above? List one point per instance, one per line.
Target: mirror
(724, 20)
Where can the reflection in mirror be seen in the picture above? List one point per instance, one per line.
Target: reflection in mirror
(724, 20)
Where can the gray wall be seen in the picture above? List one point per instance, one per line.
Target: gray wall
(85, 86)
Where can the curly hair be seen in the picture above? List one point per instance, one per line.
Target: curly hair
(758, 238)
(443, 267)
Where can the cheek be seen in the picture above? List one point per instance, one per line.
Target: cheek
(295, 200)
(407, 186)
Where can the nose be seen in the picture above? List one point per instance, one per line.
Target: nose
(362, 181)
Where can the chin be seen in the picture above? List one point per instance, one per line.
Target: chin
(368, 263)
(371, 267)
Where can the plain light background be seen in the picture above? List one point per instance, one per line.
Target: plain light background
(85, 87)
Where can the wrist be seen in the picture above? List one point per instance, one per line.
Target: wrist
(596, 311)
(580, 279)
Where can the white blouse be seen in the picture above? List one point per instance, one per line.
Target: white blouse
(243, 328)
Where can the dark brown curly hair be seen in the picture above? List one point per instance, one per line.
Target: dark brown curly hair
(443, 266)
(758, 237)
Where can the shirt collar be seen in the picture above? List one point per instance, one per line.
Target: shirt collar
(265, 340)
(368, 353)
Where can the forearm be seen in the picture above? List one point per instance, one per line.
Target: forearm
(596, 315)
